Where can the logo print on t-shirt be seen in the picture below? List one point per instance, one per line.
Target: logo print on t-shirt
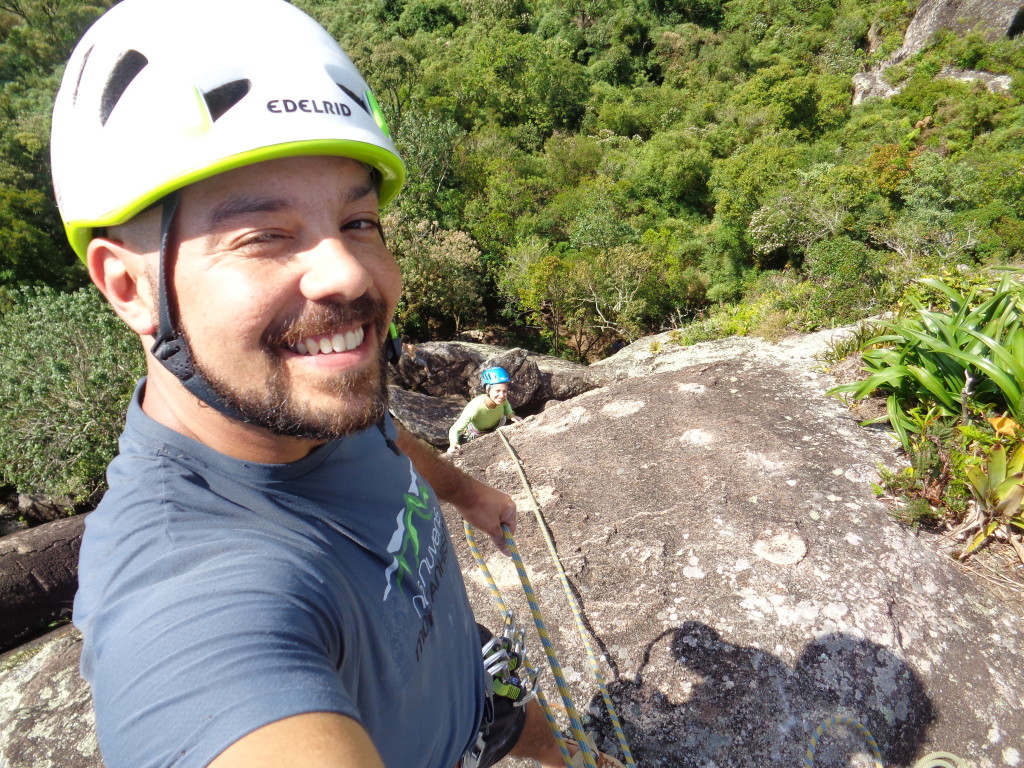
(419, 546)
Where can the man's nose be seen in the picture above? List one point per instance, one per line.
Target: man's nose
(333, 270)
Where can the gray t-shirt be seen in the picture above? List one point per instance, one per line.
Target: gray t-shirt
(217, 596)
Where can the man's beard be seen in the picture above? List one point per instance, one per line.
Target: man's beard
(347, 403)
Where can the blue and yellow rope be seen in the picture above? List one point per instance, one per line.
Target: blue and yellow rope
(575, 725)
(849, 722)
(577, 611)
(931, 760)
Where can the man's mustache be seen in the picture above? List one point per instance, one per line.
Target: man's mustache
(325, 318)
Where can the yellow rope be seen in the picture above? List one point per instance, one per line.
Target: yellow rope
(575, 725)
(570, 596)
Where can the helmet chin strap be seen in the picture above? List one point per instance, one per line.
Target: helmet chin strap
(170, 347)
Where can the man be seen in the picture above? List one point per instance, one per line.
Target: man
(268, 581)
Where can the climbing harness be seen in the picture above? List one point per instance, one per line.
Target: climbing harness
(516, 649)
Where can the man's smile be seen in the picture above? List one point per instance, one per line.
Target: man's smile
(328, 343)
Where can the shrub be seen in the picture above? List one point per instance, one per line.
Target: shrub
(67, 370)
(442, 275)
(843, 272)
(969, 359)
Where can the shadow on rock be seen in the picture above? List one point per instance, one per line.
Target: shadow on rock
(730, 705)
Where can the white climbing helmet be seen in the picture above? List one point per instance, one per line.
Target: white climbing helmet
(159, 94)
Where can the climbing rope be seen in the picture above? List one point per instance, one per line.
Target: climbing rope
(570, 597)
(574, 720)
(575, 724)
(812, 745)
(932, 760)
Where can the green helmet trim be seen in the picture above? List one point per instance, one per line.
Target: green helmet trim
(378, 113)
(390, 166)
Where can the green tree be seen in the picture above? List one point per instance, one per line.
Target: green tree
(442, 276)
(63, 410)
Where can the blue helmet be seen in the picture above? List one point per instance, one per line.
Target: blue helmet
(493, 376)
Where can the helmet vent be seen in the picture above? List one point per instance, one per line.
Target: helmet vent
(81, 71)
(355, 97)
(126, 70)
(224, 97)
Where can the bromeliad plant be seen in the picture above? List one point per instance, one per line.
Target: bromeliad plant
(967, 360)
(997, 486)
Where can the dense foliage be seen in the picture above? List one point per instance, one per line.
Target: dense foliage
(36, 38)
(67, 370)
(611, 168)
(583, 173)
(951, 367)
(625, 166)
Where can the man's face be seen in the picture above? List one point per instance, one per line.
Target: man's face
(285, 290)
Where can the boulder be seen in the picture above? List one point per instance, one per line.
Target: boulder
(439, 368)
(423, 416)
(561, 379)
(992, 19)
(442, 368)
(46, 718)
(38, 577)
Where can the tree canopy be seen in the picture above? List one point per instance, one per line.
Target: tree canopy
(592, 170)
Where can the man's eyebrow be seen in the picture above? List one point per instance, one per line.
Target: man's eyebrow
(240, 206)
(358, 193)
(248, 204)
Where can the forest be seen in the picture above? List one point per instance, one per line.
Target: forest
(586, 172)
(581, 173)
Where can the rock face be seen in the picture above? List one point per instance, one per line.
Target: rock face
(991, 19)
(38, 577)
(425, 417)
(741, 579)
(46, 718)
(714, 516)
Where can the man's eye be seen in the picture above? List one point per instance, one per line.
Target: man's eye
(258, 238)
(360, 224)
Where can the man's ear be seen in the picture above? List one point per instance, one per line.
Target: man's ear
(121, 276)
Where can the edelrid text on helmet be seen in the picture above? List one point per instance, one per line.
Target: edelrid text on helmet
(156, 96)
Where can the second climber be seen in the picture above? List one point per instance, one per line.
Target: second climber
(486, 412)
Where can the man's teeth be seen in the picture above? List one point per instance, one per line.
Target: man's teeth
(339, 342)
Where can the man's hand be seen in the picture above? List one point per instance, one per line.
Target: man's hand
(487, 509)
(480, 505)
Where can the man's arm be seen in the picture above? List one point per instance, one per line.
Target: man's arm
(311, 740)
(480, 505)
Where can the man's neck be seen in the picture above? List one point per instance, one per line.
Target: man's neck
(169, 403)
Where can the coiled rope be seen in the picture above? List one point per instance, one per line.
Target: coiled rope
(931, 760)
(849, 722)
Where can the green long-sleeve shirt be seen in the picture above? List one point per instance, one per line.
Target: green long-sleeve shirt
(480, 416)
